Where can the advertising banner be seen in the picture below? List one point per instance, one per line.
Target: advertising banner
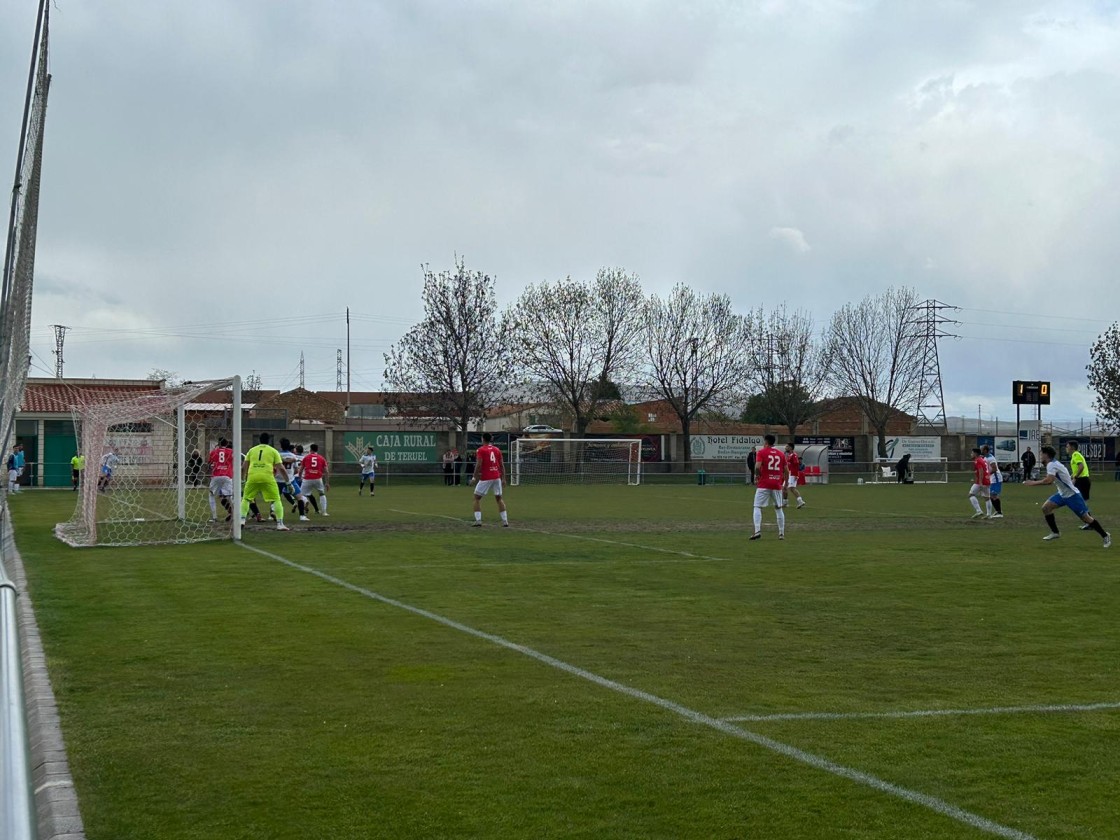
(724, 447)
(1006, 449)
(918, 448)
(841, 450)
(391, 447)
(1094, 449)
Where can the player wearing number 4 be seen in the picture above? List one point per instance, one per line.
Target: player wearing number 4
(488, 475)
(1067, 496)
(772, 471)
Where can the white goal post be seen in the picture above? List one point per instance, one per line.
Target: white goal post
(535, 460)
(925, 471)
(146, 480)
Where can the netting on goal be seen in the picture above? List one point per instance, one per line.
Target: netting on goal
(576, 461)
(929, 471)
(146, 479)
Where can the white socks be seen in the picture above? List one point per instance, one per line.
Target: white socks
(505, 517)
(975, 504)
(213, 506)
(322, 503)
(781, 521)
(478, 516)
(757, 520)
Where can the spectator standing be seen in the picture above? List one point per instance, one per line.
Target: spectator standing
(1028, 464)
(458, 467)
(448, 466)
(750, 465)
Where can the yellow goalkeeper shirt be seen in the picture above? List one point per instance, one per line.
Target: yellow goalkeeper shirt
(263, 460)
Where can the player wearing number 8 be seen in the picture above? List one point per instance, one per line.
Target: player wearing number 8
(772, 474)
(221, 479)
(488, 475)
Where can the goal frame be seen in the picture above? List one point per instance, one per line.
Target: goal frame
(94, 421)
(633, 462)
(884, 472)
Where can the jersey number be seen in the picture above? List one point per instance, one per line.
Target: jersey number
(774, 464)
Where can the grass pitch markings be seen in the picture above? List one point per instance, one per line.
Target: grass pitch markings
(688, 555)
(932, 803)
(1057, 708)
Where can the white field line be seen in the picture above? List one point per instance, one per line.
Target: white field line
(688, 555)
(934, 804)
(1058, 708)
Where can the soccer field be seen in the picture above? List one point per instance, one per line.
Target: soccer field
(619, 663)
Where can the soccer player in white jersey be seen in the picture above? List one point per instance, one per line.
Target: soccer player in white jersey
(1067, 496)
(368, 465)
(995, 505)
(109, 463)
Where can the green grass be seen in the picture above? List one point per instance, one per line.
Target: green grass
(211, 692)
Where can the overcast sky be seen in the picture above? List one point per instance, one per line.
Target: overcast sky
(211, 162)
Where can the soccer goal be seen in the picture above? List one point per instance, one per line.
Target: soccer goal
(147, 479)
(929, 471)
(576, 461)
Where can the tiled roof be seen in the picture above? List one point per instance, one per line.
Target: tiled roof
(59, 397)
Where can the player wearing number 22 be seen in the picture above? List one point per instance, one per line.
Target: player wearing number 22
(772, 473)
(488, 475)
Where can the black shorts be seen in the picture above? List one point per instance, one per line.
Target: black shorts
(1084, 485)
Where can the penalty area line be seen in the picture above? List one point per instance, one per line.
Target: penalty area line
(932, 803)
(1043, 709)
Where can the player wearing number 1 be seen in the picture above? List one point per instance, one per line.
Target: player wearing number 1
(488, 475)
(261, 467)
(221, 479)
(773, 473)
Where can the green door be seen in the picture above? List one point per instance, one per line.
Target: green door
(59, 446)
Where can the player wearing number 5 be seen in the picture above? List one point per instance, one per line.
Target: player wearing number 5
(772, 474)
(488, 476)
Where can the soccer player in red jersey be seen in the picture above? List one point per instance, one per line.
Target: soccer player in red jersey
(315, 473)
(221, 479)
(793, 463)
(773, 472)
(488, 475)
(981, 482)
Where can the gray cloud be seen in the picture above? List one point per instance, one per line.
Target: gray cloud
(210, 162)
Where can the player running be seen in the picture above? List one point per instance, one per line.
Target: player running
(221, 479)
(772, 473)
(1067, 496)
(981, 482)
(793, 463)
(995, 504)
(488, 473)
(109, 463)
(262, 465)
(368, 466)
(315, 476)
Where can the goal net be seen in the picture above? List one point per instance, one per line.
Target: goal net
(146, 479)
(576, 461)
(930, 471)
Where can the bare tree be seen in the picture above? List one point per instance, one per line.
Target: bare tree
(457, 358)
(577, 339)
(790, 364)
(875, 357)
(1104, 375)
(696, 357)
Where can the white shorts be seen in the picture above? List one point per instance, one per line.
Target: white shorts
(980, 491)
(792, 483)
(310, 484)
(762, 498)
(13, 475)
(484, 487)
(221, 485)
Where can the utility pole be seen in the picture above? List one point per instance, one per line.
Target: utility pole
(928, 325)
(59, 340)
(338, 370)
(347, 361)
(301, 369)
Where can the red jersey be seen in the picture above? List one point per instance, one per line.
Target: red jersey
(314, 465)
(221, 462)
(981, 475)
(489, 462)
(770, 464)
(794, 463)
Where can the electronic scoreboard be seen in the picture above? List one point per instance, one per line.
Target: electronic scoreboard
(1024, 392)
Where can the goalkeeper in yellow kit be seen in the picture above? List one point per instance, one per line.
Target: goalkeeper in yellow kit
(259, 474)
